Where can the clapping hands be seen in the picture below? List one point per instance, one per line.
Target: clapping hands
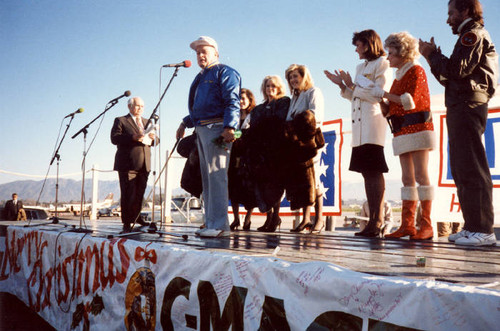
(340, 77)
(426, 48)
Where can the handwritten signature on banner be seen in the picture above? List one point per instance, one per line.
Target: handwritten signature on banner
(214, 291)
(309, 278)
(373, 304)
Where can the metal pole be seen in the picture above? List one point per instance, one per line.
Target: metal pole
(95, 192)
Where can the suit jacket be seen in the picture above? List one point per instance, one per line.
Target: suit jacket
(130, 154)
(11, 209)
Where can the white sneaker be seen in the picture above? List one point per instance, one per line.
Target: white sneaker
(458, 235)
(213, 233)
(199, 231)
(477, 239)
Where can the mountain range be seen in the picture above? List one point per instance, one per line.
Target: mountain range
(70, 190)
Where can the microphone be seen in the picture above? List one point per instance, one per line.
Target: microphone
(125, 94)
(79, 110)
(185, 64)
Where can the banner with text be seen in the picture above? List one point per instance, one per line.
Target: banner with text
(76, 281)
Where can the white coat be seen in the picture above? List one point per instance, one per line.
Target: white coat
(368, 123)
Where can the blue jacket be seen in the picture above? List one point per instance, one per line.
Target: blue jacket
(214, 97)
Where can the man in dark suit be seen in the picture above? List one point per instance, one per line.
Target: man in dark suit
(132, 160)
(12, 208)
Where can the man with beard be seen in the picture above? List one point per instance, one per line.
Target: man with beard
(470, 76)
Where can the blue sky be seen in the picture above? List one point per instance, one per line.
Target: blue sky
(58, 56)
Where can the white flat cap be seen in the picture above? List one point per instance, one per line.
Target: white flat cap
(204, 41)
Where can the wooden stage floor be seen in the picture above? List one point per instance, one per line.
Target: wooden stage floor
(445, 262)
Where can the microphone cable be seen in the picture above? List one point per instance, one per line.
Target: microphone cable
(83, 163)
(48, 169)
(95, 134)
(57, 288)
(158, 162)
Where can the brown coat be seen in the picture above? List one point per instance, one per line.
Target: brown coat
(301, 147)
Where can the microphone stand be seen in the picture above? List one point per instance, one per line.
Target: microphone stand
(153, 228)
(161, 98)
(83, 130)
(55, 219)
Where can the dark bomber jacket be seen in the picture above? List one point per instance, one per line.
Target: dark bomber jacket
(471, 72)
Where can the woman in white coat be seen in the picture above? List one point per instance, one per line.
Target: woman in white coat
(368, 123)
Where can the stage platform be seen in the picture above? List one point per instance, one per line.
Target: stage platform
(444, 260)
(446, 266)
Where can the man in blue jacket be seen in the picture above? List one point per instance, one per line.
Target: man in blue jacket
(214, 112)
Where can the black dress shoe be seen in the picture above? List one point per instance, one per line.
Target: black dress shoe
(266, 225)
(235, 225)
(368, 233)
(141, 222)
(126, 228)
(302, 226)
(152, 227)
(273, 225)
(246, 225)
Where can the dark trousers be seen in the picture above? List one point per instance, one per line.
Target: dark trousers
(469, 166)
(132, 188)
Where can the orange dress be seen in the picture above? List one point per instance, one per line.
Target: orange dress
(412, 120)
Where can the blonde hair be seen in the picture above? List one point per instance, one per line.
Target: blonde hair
(405, 45)
(279, 84)
(307, 81)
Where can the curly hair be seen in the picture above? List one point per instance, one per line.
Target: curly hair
(405, 44)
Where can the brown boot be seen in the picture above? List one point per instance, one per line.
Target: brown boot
(426, 195)
(407, 228)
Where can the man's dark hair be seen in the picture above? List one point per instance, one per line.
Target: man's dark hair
(371, 39)
(474, 7)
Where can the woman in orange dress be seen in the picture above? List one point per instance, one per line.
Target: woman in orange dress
(409, 113)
